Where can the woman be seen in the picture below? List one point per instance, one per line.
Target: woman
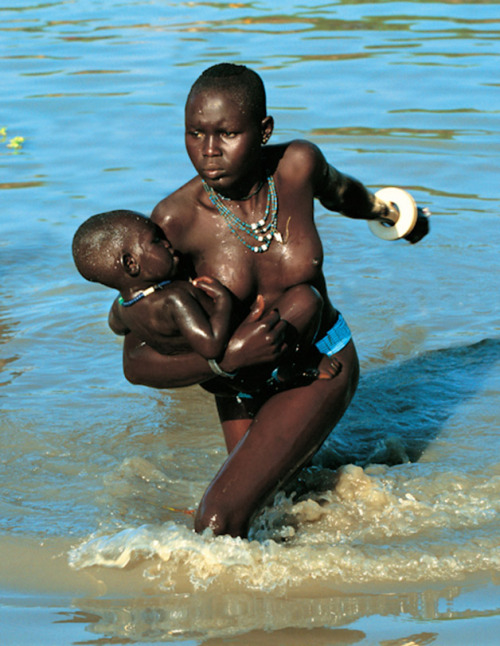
(246, 218)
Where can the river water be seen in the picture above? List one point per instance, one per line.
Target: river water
(393, 537)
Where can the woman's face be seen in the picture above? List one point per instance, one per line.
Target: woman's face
(223, 142)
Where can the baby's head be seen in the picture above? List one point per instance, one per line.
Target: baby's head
(121, 249)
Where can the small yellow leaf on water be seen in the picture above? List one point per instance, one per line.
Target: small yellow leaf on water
(15, 142)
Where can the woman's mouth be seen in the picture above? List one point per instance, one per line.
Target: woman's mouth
(212, 173)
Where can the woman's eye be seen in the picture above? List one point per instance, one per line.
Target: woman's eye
(229, 135)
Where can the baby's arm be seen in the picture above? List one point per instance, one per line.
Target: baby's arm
(206, 334)
(114, 320)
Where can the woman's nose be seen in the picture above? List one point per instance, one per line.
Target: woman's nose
(210, 147)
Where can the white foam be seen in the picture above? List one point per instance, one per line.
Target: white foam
(375, 526)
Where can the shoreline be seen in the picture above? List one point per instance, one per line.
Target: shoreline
(45, 601)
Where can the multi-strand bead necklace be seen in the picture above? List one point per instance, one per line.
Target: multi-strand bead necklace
(262, 232)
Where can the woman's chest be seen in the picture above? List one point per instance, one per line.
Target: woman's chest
(294, 256)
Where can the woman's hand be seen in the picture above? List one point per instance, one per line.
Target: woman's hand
(421, 227)
(259, 339)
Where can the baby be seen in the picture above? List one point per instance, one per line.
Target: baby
(126, 251)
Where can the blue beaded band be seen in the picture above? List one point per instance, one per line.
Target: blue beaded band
(143, 294)
(336, 338)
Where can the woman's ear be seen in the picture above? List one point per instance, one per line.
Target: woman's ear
(130, 265)
(267, 127)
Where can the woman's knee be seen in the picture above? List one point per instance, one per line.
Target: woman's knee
(220, 520)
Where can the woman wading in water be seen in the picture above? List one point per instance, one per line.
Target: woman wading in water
(246, 219)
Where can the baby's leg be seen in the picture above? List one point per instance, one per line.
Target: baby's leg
(302, 306)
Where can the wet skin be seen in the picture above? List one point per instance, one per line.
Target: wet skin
(270, 442)
(150, 257)
(183, 315)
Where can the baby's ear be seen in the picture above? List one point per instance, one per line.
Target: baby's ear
(130, 264)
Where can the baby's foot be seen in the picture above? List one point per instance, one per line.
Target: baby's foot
(291, 374)
(328, 367)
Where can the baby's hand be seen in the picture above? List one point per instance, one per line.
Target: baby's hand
(199, 281)
(212, 287)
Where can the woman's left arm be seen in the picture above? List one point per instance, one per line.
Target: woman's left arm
(348, 196)
(344, 194)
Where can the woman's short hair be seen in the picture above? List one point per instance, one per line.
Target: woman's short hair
(241, 82)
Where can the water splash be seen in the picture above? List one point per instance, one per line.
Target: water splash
(376, 526)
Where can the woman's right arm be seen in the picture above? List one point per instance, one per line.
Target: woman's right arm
(143, 365)
(258, 339)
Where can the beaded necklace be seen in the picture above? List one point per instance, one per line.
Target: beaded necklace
(247, 197)
(263, 231)
(143, 294)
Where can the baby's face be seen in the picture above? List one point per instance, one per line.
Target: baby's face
(157, 258)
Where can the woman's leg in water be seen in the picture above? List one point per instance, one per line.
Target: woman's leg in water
(284, 434)
(236, 414)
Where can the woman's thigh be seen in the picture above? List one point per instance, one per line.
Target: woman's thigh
(284, 434)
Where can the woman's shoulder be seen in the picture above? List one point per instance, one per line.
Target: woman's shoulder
(178, 208)
(297, 159)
